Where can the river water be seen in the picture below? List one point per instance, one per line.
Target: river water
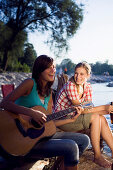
(103, 95)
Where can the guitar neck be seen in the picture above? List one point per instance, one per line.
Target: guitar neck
(60, 114)
(65, 112)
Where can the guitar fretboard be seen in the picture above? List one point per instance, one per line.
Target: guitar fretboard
(60, 114)
(65, 112)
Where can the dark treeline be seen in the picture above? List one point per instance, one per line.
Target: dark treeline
(20, 61)
(25, 62)
(97, 69)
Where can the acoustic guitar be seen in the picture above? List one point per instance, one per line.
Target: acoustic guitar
(18, 135)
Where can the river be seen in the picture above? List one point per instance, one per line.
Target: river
(103, 95)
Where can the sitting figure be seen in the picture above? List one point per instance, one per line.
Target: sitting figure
(78, 91)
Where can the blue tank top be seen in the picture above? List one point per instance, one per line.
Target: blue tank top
(33, 99)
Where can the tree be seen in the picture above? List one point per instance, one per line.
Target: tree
(14, 49)
(60, 19)
(29, 55)
(68, 64)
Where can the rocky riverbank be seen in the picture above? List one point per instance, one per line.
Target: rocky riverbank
(101, 79)
(12, 78)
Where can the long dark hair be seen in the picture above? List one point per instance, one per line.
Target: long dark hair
(41, 63)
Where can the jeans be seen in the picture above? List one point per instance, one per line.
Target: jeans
(67, 144)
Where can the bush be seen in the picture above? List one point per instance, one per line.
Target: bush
(18, 67)
(25, 68)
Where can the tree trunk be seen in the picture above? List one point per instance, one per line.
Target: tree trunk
(7, 49)
(5, 60)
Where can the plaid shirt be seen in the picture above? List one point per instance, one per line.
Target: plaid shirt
(69, 93)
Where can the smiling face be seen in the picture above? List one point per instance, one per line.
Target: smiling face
(81, 75)
(48, 75)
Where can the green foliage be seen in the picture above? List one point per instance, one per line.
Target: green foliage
(6, 34)
(60, 19)
(25, 62)
(29, 55)
(67, 63)
(18, 67)
(97, 68)
(25, 68)
(14, 50)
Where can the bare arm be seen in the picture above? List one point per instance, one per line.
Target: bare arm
(8, 103)
(101, 110)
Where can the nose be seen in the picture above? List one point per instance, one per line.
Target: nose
(53, 70)
(77, 75)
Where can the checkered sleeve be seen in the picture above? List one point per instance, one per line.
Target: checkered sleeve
(88, 93)
(71, 91)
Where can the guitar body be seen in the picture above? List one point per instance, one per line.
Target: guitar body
(18, 135)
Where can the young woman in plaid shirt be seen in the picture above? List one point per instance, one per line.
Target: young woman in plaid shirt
(76, 91)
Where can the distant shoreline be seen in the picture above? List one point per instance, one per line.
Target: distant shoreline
(17, 77)
(100, 79)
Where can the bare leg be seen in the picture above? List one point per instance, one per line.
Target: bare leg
(106, 133)
(95, 140)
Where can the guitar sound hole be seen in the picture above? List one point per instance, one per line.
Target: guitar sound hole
(35, 124)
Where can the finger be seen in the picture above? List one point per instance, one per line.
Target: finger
(44, 115)
(44, 119)
(79, 107)
(78, 110)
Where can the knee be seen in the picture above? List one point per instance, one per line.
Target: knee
(71, 154)
(72, 147)
(72, 150)
(103, 119)
(95, 117)
(86, 141)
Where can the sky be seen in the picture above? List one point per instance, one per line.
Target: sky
(94, 39)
